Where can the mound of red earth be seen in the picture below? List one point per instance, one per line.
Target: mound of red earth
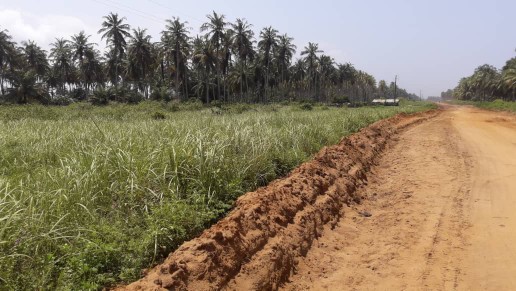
(257, 245)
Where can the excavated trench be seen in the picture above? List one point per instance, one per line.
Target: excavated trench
(258, 244)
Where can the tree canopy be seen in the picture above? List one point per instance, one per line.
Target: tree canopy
(226, 61)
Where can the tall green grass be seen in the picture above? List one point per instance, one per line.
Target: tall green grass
(90, 196)
(490, 105)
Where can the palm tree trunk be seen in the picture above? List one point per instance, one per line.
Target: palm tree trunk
(177, 72)
(162, 72)
(207, 90)
(185, 82)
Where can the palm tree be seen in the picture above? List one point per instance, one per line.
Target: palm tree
(484, 80)
(92, 69)
(114, 30)
(268, 45)
(509, 77)
(175, 44)
(205, 59)
(243, 48)
(61, 55)
(216, 28)
(286, 50)
(140, 58)
(35, 58)
(311, 59)
(79, 46)
(8, 56)
(382, 87)
(26, 86)
(326, 71)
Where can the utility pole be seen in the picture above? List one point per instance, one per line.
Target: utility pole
(395, 88)
(420, 96)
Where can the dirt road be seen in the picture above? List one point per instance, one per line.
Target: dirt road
(414, 202)
(443, 214)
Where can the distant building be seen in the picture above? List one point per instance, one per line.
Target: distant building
(388, 102)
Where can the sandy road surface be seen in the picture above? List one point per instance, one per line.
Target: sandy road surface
(443, 206)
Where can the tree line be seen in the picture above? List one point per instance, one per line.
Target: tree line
(488, 83)
(225, 62)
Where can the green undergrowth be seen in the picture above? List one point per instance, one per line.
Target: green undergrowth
(90, 196)
(490, 105)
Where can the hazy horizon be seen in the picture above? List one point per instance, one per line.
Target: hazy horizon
(430, 45)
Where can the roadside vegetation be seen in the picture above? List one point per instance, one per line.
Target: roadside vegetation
(490, 105)
(90, 196)
(488, 84)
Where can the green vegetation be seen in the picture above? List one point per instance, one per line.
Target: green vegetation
(227, 62)
(90, 196)
(488, 84)
(490, 105)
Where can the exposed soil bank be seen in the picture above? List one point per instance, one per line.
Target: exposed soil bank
(258, 245)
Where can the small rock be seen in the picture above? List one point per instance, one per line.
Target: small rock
(365, 214)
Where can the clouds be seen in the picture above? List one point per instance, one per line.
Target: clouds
(42, 28)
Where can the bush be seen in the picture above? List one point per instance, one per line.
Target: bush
(78, 94)
(193, 104)
(341, 100)
(161, 94)
(133, 97)
(100, 97)
(306, 106)
(216, 103)
(158, 115)
(61, 101)
(239, 108)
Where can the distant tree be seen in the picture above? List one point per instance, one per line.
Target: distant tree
(9, 57)
(80, 46)
(382, 88)
(61, 55)
(216, 32)
(35, 58)
(311, 60)
(205, 59)
(285, 52)
(268, 44)
(176, 48)
(140, 55)
(243, 48)
(115, 32)
(26, 87)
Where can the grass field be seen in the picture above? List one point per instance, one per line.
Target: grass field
(90, 196)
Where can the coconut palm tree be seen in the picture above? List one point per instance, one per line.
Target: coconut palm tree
(140, 56)
(243, 48)
(205, 60)
(326, 72)
(26, 86)
(35, 58)
(268, 44)
(115, 31)
(216, 31)
(311, 60)
(382, 88)
(175, 45)
(286, 50)
(61, 55)
(79, 46)
(8, 57)
(92, 69)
